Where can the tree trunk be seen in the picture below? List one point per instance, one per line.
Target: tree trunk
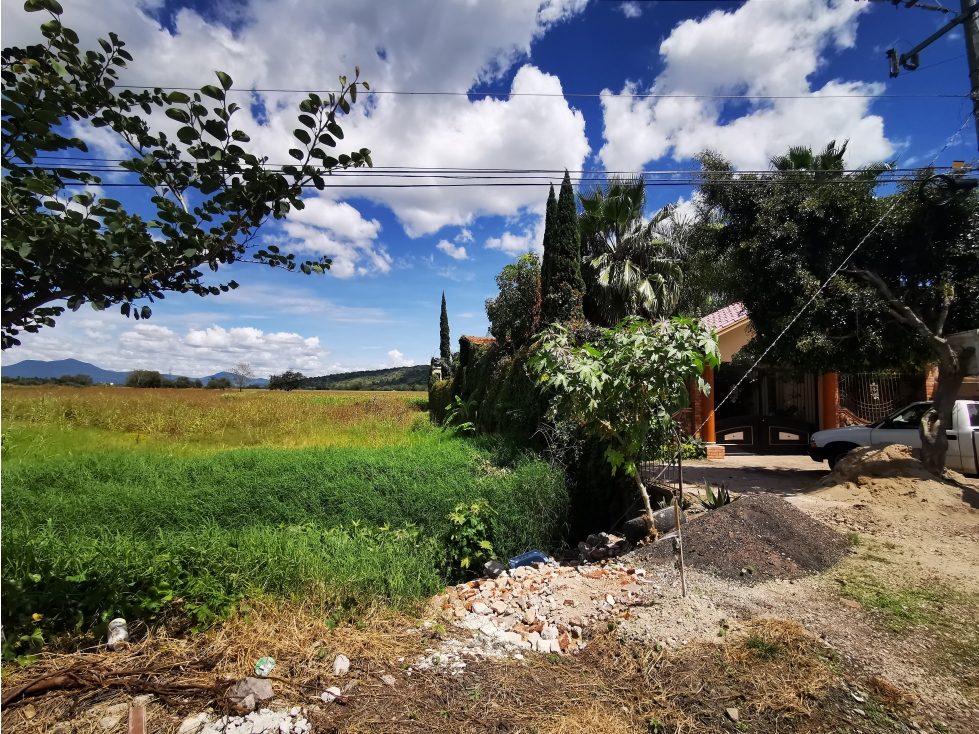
(645, 494)
(938, 420)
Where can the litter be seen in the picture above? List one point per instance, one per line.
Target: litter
(118, 635)
(264, 666)
(534, 556)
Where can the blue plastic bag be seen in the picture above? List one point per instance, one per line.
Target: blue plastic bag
(534, 556)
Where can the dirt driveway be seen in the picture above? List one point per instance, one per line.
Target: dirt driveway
(783, 475)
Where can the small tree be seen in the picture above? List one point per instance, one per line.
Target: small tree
(514, 315)
(287, 381)
(241, 374)
(445, 342)
(625, 387)
(550, 217)
(219, 383)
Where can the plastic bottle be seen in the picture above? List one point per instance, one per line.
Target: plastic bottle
(118, 634)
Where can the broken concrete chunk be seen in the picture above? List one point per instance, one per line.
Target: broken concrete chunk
(389, 680)
(259, 689)
(341, 665)
(109, 722)
(330, 695)
(191, 725)
(480, 608)
(493, 569)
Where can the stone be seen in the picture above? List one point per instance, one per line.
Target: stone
(493, 569)
(480, 608)
(732, 714)
(143, 700)
(248, 702)
(110, 722)
(189, 726)
(260, 688)
(529, 617)
(636, 529)
(549, 633)
(29, 711)
(328, 696)
(665, 520)
(341, 665)
(118, 710)
(389, 680)
(498, 607)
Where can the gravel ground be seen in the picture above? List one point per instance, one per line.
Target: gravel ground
(756, 538)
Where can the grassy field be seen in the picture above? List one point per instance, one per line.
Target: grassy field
(124, 501)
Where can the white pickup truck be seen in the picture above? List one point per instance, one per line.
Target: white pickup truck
(963, 439)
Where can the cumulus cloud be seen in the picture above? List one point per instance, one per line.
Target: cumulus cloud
(398, 47)
(455, 251)
(761, 48)
(397, 359)
(464, 235)
(532, 240)
(630, 9)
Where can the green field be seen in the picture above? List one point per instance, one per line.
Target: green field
(97, 523)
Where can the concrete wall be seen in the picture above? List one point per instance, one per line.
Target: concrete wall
(733, 338)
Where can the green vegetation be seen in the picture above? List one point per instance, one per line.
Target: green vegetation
(562, 287)
(514, 315)
(404, 379)
(64, 380)
(901, 608)
(108, 531)
(762, 647)
(445, 341)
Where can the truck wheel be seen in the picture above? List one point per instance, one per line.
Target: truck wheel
(837, 454)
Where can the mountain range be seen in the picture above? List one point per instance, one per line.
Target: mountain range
(59, 367)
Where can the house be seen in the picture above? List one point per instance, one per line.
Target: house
(774, 411)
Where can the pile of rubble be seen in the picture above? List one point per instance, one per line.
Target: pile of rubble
(545, 607)
(265, 721)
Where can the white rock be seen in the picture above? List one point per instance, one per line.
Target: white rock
(189, 726)
(118, 710)
(341, 665)
(109, 722)
(285, 727)
(549, 633)
(480, 608)
(294, 711)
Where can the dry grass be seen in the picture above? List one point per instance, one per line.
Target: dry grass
(608, 687)
(40, 420)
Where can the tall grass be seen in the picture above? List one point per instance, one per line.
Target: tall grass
(87, 537)
(40, 422)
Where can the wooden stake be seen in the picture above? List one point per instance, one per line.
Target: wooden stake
(679, 540)
(137, 720)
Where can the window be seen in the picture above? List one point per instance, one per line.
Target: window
(974, 414)
(910, 417)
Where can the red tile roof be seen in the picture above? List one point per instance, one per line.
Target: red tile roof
(722, 319)
(482, 340)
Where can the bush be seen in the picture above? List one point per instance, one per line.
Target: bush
(219, 383)
(440, 395)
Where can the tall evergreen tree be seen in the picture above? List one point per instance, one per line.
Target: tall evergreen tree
(564, 288)
(547, 261)
(445, 342)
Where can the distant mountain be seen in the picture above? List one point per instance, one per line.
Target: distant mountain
(393, 378)
(59, 367)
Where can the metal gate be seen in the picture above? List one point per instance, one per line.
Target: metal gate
(872, 396)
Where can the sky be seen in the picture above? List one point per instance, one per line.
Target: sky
(539, 86)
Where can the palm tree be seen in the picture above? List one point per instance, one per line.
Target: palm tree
(630, 266)
(826, 164)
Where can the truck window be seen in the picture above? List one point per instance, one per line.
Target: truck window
(910, 417)
(974, 414)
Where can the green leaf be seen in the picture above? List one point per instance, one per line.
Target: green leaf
(302, 135)
(328, 140)
(187, 135)
(213, 92)
(53, 5)
(224, 79)
(175, 113)
(307, 121)
(296, 153)
(335, 129)
(38, 186)
(178, 98)
(239, 135)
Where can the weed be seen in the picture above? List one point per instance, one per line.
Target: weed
(853, 538)
(469, 544)
(902, 608)
(553, 659)
(762, 647)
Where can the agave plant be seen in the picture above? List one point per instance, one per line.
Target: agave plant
(714, 501)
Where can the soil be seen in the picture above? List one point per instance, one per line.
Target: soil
(756, 538)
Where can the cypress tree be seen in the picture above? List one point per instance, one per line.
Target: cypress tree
(565, 287)
(547, 262)
(445, 342)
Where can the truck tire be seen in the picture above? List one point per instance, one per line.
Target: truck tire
(835, 452)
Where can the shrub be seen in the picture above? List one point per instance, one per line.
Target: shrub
(144, 378)
(439, 399)
(219, 383)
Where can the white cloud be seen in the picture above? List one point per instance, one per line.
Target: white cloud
(464, 235)
(532, 240)
(454, 273)
(337, 230)
(397, 359)
(398, 47)
(457, 252)
(275, 301)
(630, 9)
(761, 48)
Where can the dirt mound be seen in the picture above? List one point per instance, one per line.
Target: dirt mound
(890, 478)
(755, 538)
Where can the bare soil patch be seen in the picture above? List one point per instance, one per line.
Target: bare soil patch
(755, 538)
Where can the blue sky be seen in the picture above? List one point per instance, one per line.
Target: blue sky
(397, 249)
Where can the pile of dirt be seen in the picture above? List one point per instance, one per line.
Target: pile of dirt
(889, 477)
(755, 538)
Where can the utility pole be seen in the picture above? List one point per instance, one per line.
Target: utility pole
(969, 20)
